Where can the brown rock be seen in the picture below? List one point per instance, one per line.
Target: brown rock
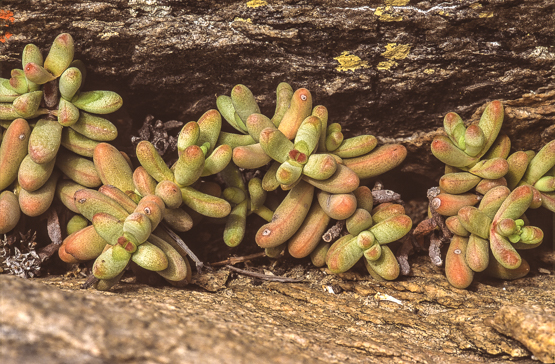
(328, 319)
(534, 326)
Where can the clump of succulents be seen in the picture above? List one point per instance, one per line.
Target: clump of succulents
(481, 171)
(124, 224)
(301, 154)
(54, 146)
(320, 170)
(49, 122)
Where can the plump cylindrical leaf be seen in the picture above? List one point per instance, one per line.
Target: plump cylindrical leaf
(459, 182)
(153, 162)
(80, 170)
(89, 202)
(275, 144)
(78, 143)
(45, 140)
(178, 268)
(457, 271)
(65, 190)
(385, 267)
(343, 254)
(448, 205)
(300, 108)
(477, 253)
(391, 229)
(474, 139)
(83, 245)
(60, 55)
(150, 257)
(68, 114)
(111, 262)
(33, 176)
(138, 225)
(338, 206)
(189, 166)
(205, 204)
(210, 124)
(108, 227)
(378, 161)
(98, 102)
(95, 127)
(27, 104)
(37, 202)
(76, 223)
(236, 223)
(170, 193)
(250, 156)
(70, 82)
(474, 221)
(288, 216)
(360, 220)
(243, 102)
(309, 234)
(542, 162)
(37, 74)
(112, 167)
(13, 149)
(356, 146)
(124, 199)
(11, 213)
(344, 180)
(284, 94)
(448, 153)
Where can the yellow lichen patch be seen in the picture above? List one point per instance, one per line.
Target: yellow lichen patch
(385, 65)
(397, 2)
(383, 16)
(476, 5)
(486, 14)
(387, 17)
(248, 20)
(256, 3)
(396, 51)
(349, 62)
(429, 71)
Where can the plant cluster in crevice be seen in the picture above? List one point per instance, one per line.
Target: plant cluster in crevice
(295, 170)
(481, 202)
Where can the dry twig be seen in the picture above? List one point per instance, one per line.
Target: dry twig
(264, 276)
(235, 260)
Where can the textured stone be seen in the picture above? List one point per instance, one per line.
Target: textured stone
(534, 326)
(331, 319)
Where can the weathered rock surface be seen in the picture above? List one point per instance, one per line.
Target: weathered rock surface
(391, 68)
(534, 326)
(328, 319)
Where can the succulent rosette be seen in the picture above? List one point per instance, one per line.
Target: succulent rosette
(42, 109)
(484, 195)
(124, 224)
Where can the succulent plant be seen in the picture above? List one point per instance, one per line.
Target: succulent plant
(369, 230)
(49, 123)
(299, 151)
(303, 155)
(123, 224)
(56, 147)
(479, 170)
